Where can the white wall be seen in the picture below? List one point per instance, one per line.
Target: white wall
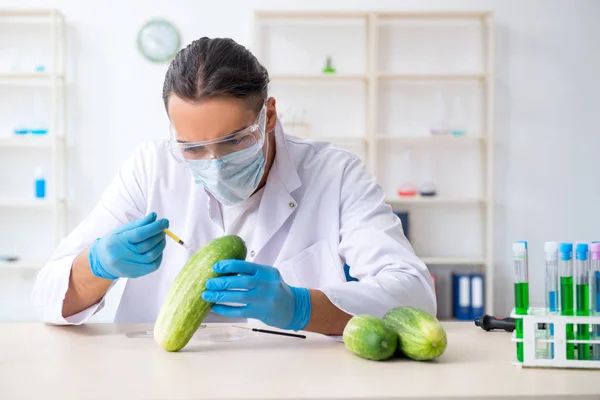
(547, 139)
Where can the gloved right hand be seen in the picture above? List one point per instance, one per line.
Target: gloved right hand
(130, 251)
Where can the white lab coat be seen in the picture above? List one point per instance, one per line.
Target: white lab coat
(321, 208)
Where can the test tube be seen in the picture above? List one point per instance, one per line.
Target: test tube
(595, 270)
(565, 271)
(582, 289)
(521, 291)
(551, 250)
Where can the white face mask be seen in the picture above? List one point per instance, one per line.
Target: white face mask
(234, 177)
(229, 180)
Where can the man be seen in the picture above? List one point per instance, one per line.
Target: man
(303, 208)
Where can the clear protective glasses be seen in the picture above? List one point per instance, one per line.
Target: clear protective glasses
(246, 143)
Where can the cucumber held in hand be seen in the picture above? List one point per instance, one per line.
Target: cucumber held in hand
(368, 337)
(183, 309)
(421, 335)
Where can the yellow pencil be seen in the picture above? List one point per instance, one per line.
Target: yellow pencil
(175, 238)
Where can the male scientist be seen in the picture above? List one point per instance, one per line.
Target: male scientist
(304, 209)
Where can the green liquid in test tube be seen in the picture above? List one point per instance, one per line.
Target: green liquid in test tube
(551, 252)
(582, 275)
(521, 291)
(595, 278)
(565, 271)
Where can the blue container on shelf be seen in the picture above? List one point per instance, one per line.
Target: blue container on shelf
(40, 184)
(39, 131)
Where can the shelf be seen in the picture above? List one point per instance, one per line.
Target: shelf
(433, 15)
(431, 77)
(37, 78)
(382, 15)
(435, 200)
(27, 202)
(338, 139)
(453, 261)
(433, 140)
(310, 15)
(362, 77)
(25, 75)
(22, 264)
(27, 140)
(381, 68)
(28, 13)
(318, 77)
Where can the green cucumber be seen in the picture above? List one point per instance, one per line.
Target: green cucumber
(421, 335)
(183, 308)
(368, 337)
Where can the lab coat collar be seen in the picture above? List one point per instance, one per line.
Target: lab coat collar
(277, 203)
(285, 166)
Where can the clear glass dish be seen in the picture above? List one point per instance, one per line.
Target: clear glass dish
(212, 333)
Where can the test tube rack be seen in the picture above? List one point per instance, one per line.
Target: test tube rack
(531, 340)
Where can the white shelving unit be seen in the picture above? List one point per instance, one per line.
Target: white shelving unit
(377, 61)
(52, 79)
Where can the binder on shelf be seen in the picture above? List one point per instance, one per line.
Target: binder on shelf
(403, 215)
(477, 296)
(461, 293)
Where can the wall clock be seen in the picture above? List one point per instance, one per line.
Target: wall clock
(158, 40)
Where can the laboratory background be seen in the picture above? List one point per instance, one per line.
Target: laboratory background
(479, 136)
(479, 119)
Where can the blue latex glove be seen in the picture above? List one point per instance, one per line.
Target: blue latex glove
(265, 295)
(130, 251)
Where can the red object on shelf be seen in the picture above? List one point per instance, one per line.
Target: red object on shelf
(407, 193)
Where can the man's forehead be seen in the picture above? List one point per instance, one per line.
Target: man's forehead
(209, 119)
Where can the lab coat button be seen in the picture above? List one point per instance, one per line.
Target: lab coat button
(292, 205)
(252, 253)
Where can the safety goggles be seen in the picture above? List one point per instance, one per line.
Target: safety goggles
(250, 139)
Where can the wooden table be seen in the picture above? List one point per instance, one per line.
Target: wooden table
(100, 361)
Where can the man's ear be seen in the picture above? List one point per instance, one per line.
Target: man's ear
(271, 114)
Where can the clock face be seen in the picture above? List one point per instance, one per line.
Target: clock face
(158, 40)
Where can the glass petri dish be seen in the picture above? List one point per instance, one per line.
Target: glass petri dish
(213, 333)
(148, 333)
(219, 334)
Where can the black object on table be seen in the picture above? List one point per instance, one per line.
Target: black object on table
(295, 335)
(488, 323)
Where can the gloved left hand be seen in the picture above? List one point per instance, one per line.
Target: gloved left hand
(265, 295)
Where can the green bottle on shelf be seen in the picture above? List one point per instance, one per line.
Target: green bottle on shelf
(329, 68)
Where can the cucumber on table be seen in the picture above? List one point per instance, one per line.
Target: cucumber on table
(368, 337)
(421, 334)
(183, 309)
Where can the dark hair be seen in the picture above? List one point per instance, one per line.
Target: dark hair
(213, 68)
